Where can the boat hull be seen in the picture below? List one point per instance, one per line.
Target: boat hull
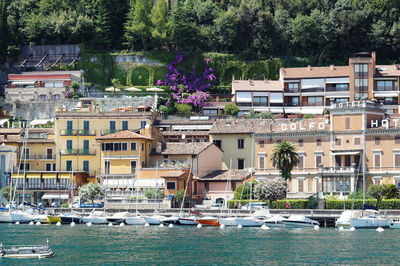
(188, 221)
(153, 220)
(94, 220)
(30, 256)
(172, 220)
(209, 221)
(5, 218)
(21, 217)
(70, 219)
(228, 221)
(394, 225)
(116, 220)
(248, 222)
(54, 219)
(135, 220)
(369, 223)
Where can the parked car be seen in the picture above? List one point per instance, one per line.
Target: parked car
(255, 206)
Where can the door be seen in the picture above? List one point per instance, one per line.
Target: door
(86, 125)
(133, 167)
(85, 146)
(49, 153)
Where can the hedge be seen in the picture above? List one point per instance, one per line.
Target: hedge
(294, 204)
(339, 204)
(390, 204)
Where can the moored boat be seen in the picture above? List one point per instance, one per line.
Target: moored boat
(298, 221)
(5, 217)
(117, 218)
(229, 221)
(27, 251)
(208, 220)
(20, 216)
(54, 219)
(190, 220)
(154, 220)
(394, 224)
(95, 217)
(69, 218)
(369, 219)
(135, 220)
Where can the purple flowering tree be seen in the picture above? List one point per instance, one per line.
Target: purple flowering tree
(271, 189)
(187, 87)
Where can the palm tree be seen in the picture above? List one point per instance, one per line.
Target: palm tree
(285, 158)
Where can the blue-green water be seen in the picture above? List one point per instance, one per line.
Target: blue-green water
(102, 245)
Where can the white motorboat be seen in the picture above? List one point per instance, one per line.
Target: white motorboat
(117, 218)
(298, 221)
(171, 220)
(95, 217)
(274, 221)
(257, 219)
(135, 220)
(346, 216)
(190, 220)
(24, 252)
(369, 221)
(154, 219)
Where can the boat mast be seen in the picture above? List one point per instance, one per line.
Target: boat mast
(251, 168)
(364, 123)
(24, 151)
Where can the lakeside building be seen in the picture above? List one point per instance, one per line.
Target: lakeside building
(311, 90)
(40, 84)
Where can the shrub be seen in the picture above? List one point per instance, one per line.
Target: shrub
(140, 76)
(294, 204)
(265, 115)
(390, 192)
(64, 205)
(183, 109)
(390, 204)
(308, 116)
(231, 109)
(154, 193)
(339, 204)
(246, 191)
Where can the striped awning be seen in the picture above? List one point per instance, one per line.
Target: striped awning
(65, 176)
(49, 175)
(33, 175)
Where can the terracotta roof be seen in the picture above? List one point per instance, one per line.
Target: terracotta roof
(41, 130)
(386, 70)
(173, 174)
(257, 85)
(183, 148)
(187, 133)
(314, 72)
(184, 122)
(19, 139)
(10, 131)
(224, 175)
(135, 114)
(237, 126)
(124, 135)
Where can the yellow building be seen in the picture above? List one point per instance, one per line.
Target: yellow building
(76, 132)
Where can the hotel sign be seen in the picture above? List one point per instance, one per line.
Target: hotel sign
(347, 104)
(300, 126)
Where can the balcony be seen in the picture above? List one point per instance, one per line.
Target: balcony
(46, 156)
(78, 132)
(292, 104)
(292, 90)
(313, 104)
(336, 89)
(28, 157)
(42, 186)
(78, 152)
(312, 90)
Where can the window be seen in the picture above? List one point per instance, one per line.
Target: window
(116, 146)
(207, 186)
(319, 142)
(86, 146)
(142, 164)
(68, 166)
(300, 143)
(397, 160)
(338, 142)
(50, 166)
(124, 146)
(260, 101)
(278, 141)
(124, 125)
(69, 125)
(133, 146)
(347, 122)
(347, 160)
(384, 85)
(301, 162)
(107, 166)
(261, 162)
(377, 180)
(218, 143)
(397, 139)
(315, 100)
(142, 146)
(85, 125)
(357, 141)
(27, 166)
(107, 146)
(69, 144)
(360, 96)
(143, 124)
(240, 163)
(112, 126)
(301, 185)
(261, 144)
(171, 185)
(293, 87)
(361, 70)
(85, 166)
(240, 143)
(318, 160)
(377, 160)
(377, 140)
(49, 153)
(133, 167)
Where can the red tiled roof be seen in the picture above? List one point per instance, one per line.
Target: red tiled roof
(315, 72)
(124, 135)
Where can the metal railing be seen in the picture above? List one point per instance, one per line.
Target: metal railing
(46, 156)
(79, 152)
(78, 132)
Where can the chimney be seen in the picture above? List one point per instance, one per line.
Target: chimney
(332, 67)
(309, 67)
(373, 55)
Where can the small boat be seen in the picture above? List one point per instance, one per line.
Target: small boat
(135, 220)
(249, 221)
(298, 221)
(117, 218)
(21, 216)
(208, 220)
(54, 219)
(346, 216)
(172, 220)
(394, 224)
(190, 220)
(154, 220)
(369, 219)
(69, 218)
(27, 251)
(274, 221)
(95, 217)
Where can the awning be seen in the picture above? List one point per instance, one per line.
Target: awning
(312, 110)
(149, 183)
(345, 152)
(60, 196)
(260, 93)
(65, 175)
(243, 97)
(336, 80)
(21, 175)
(118, 183)
(49, 175)
(276, 97)
(343, 95)
(23, 82)
(38, 122)
(312, 83)
(33, 175)
(385, 94)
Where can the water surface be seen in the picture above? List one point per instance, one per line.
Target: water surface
(130, 245)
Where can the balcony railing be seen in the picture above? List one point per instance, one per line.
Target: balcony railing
(335, 89)
(42, 186)
(78, 132)
(68, 132)
(46, 157)
(79, 152)
(28, 157)
(292, 104)
(87, 132)
(313, 104)
(384, 88)
(313, 90)
(292, 90)
(261, 104)
(243, 104)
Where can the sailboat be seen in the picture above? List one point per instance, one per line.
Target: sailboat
(228, 221)
(136, 219)
(5, 216)
(370, 218)
(95, 217)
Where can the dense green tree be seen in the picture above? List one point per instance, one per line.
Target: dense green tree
(138, 25)
(3, 30)
(159, 20)
(231, 109)
(285, 158)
